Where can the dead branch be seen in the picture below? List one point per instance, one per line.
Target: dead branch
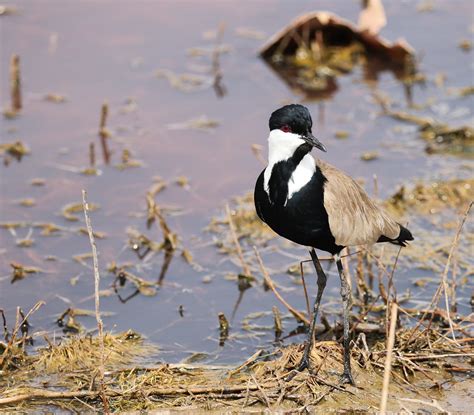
(248, 362)
(388, 359)
(266, 276)
(39, 394)
(100, 325)
(15, 84)
(245, 267)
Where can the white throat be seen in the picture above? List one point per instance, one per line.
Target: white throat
(281, 146)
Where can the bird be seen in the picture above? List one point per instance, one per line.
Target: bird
(314, 204)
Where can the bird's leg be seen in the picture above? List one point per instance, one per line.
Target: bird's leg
(346, 300)
(304, 364)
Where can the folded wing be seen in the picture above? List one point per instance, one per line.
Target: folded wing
(354, 219)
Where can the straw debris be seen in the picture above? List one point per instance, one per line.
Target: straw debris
(432, 197)
(256, 383)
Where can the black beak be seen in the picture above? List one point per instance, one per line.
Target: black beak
(311, 139)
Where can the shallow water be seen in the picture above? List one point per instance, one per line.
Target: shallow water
(111, 51)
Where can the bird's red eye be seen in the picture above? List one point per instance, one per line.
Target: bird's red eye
(286, 129)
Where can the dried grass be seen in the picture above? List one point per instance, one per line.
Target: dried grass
(257, 383)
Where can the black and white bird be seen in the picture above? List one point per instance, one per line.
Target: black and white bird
(317, 205)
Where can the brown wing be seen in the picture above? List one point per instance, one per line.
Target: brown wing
(354, 219)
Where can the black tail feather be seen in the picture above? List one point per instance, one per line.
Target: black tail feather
(401, 240)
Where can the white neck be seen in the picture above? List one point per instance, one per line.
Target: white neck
(281, 146)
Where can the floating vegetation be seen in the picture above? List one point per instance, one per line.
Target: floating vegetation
(202, 123)
(71, 210)
(462, 92)
(247, 225)
(192, 82)
(16, 149)
(68, 319)
(12, 225)
(183, 181)
(141, 244)
(141, 285)
(27, 241)
(20, 271)
(127, 161)
(81, 258)
(369, 155)
(56, 98)
(425, 6)
(185, 82)
(38, 181)
(27, 202)
(440, 137)
(465, 45)
(157, 187)
(249, 33)
(341, 134)
(432, 197)
(98, 235)
(48, 229)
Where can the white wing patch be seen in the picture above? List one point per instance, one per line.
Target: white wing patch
(266, 178)
(301, 176)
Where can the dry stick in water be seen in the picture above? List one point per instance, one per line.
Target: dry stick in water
(446, 268)
(376, 186)
(40, 394)
(216, 66)
(443, 283)
(388, 359)
(15, 83)
(245, 268)
(104, 112)
(277, 321)
(271, 285)
(103, 133)
(17, 327)
(308, 309)
(91, 155)
(390, 288)
(100, 325)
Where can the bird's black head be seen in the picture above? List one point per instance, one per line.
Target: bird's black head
(295, 119)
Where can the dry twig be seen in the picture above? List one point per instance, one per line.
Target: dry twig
(100, 325)
(300, 317)
(15, 84)
(20, 321)
(443, 285)
(388, 359)
(245, 267)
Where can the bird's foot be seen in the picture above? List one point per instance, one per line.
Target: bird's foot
(304, 364)
(346, 378)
